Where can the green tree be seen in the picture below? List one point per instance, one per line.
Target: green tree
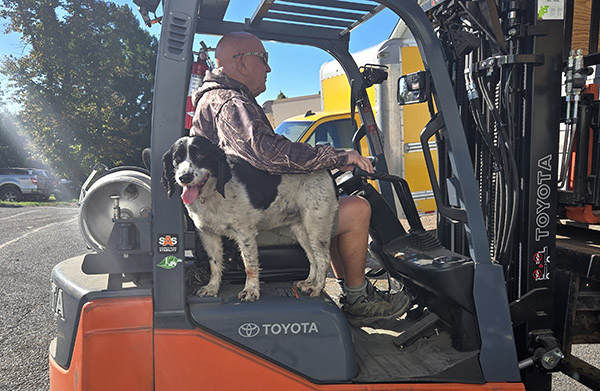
(281, 95)
(85, 86)
(12, 150)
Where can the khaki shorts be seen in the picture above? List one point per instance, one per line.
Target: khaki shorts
(283, 237)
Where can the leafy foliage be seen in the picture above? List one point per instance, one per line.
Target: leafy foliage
(85, 86)
(12, 143)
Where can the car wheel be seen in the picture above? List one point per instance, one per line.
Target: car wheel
(10, 194)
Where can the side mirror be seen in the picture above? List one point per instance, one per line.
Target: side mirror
(413, 88)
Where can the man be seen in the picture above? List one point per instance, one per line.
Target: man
(228, 115)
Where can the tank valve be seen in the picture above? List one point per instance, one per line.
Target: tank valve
(116, 207)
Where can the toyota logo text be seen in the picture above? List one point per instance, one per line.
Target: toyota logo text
(249, 330)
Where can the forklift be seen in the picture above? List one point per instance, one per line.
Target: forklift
(500, 293)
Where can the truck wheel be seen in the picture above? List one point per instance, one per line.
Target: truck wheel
(10, 194)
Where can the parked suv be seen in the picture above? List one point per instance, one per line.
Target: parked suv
(17, 184)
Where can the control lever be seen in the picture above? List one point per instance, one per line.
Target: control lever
(402, 192)
(372, 159)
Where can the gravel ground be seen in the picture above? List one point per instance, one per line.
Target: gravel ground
(35, 239)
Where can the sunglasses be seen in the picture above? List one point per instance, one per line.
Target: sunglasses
(264, 56)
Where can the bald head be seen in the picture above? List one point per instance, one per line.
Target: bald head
(232, 44)
(239, 56)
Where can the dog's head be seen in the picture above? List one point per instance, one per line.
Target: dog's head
(191, 163)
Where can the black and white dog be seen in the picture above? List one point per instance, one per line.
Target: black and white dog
(226, 196)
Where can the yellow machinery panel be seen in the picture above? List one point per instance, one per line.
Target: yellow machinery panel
(336, 93)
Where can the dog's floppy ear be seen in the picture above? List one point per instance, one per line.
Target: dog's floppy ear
(224, 174)
(168, 175)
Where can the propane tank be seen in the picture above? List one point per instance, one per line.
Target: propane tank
(119, 193)
(199, 68)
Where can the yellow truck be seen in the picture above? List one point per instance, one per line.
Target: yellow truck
(400, 125)
(331, 127)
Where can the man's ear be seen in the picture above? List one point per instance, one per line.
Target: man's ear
(240, 66)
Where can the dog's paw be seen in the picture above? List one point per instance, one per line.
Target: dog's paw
(249, 294)
(309, 287)
(207, 290)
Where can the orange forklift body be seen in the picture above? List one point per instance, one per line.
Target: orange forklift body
(114, 351)
(113, 348)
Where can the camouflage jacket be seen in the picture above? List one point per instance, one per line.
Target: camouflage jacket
(229, 116)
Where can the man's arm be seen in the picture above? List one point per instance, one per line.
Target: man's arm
(243, 130)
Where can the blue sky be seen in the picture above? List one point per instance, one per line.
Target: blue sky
(295, 69)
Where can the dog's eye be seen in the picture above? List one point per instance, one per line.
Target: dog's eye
(196, 154)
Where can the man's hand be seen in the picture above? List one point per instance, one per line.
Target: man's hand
(356, 160)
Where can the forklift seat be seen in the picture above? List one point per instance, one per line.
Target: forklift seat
(281, 258)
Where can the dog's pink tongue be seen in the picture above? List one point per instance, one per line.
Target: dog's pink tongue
(189, 194)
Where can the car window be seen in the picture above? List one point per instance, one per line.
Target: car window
(337, 133)
(23, 171)
(293, 130)
(14, 171)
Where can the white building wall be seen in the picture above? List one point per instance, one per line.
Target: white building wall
(279, 110)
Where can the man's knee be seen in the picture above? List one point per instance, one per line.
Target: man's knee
(355, 209)
(356, 204)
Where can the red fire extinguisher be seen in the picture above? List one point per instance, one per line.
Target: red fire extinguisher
(199, 68)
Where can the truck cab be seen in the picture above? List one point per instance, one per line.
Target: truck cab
(17, 184)
(331, 128)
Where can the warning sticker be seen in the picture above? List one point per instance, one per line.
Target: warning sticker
(542, 261)
(169, 262)
(551, 9)
(167, 243)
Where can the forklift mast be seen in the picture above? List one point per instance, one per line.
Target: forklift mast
(507, 67)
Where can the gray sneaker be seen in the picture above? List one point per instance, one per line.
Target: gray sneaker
(375, 306)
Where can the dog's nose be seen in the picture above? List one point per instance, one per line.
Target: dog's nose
(186, 178)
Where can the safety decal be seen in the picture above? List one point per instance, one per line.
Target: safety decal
(542, 260)
(551, 9)
(169, 262)
(167, 243)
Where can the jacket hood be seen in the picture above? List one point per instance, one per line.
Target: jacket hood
(216, 80)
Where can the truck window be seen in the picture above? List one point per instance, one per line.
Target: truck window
(293, 130)
(337, 133)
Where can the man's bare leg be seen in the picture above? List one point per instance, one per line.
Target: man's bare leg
(362, 303)
(349, 245)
